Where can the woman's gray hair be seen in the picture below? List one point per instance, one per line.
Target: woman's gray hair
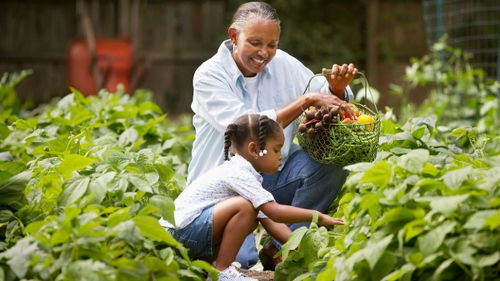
(250, 9)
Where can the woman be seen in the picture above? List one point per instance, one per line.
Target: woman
(249, 74)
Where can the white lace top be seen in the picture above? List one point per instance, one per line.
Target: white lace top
(234, 177)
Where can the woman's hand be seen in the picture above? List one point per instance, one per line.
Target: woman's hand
(331, 101)
(340, 77)
(326, 220)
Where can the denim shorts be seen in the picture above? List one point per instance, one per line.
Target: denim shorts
(197, 236)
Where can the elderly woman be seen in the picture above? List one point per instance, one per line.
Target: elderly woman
(249, 74)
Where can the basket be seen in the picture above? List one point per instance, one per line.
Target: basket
(343, 144)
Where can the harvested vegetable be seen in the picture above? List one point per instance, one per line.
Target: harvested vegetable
(330, 136)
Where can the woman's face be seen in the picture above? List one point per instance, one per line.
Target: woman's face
(256, 45)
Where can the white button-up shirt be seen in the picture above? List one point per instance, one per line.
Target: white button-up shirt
(234, 177)
(220, 97)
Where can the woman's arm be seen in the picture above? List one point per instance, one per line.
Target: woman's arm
(338, 78)
(289, 112)
(278, 231)
(290, 214)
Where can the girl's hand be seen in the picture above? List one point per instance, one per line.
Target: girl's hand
(326, 220)
(340, 77)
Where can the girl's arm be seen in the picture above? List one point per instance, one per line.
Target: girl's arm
(278, 231)
(291, 214)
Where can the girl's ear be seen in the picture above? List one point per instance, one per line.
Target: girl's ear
(253, 149)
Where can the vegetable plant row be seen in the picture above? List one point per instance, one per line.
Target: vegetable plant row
(428, 207)
(424, 210)
(83, 182)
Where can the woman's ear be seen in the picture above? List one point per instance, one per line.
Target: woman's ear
(233, 34)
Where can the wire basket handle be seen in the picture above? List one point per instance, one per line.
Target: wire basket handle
(364, 81)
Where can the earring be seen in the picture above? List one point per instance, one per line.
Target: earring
(234, 48)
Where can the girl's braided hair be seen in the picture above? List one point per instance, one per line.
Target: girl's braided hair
(250, 126)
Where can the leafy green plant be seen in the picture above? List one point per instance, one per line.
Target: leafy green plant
(460, 95)
(426, 209)
(87, 180)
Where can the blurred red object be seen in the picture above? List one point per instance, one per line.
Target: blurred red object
(114, 60)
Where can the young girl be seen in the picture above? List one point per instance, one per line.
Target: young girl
(218, 210)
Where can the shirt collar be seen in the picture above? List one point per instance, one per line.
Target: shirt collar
(240, 161)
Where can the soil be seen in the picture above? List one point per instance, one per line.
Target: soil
(265, 275)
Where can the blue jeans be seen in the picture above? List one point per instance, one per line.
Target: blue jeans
(197, 236)
(302, 182)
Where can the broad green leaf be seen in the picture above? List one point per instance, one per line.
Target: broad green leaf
(6, 215)
(455, 178)
(432, 240)
(214, 273)
(370, 203)
(374, 250)
(445, 204)
(414, 161)
(478, 219)
(314, 240)
(61, 235)
(128, 137)
(118, 217)
(400, 215)
(129, 269)
(19, 256)
(166, 206)
(165, 172)
(98, 187)
(414, 228)
(150, 227)
(33, 227)
(495, 202)
(329, 273)
(430, 169)
(427, 184)
(418, 133)
(73, 190)
(140, 182)
(90, 270)
(13, 167)
(25, 124)
(293, 241)
(79, 115)
(441, 268)
(304, 276)
(380, 174)
(494, 221)
(12, 189)
(488, 260)
(73, 162)
(399, 274)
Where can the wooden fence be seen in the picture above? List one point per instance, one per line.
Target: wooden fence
(171, 37)
(174, 37)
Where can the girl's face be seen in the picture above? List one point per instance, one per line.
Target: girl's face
(270, 163)
(256, 45)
